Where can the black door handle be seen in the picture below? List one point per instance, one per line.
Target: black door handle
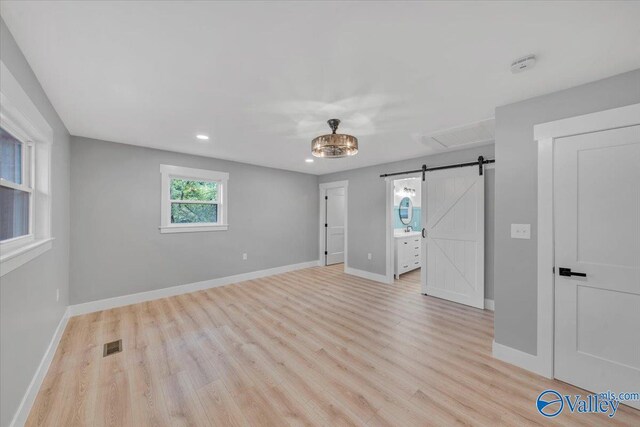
(424, 233)
(563, 271)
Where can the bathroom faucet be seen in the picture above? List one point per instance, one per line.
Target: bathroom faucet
(408, 229)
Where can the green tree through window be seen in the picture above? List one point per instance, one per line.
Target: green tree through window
(193, 191)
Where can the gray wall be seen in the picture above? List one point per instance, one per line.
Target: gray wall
(29, 313)
(367, 220)
(516, 196)
(117, 249)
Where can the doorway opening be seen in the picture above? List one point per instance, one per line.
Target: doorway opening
(333, 223)
(407, 231)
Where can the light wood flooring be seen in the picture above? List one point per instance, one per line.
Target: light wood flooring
(311, 347)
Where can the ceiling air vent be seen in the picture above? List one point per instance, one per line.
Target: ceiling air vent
(474, 133)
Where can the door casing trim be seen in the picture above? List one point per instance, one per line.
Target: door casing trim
(389, 223)
(546, 136)
(323, 192)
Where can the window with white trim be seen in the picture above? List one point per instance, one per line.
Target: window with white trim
(16, 187)
(26, 139)
(193, 200)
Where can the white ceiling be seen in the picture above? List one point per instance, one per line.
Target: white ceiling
(262, 78)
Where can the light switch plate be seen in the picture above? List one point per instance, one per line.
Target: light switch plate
(521, 231)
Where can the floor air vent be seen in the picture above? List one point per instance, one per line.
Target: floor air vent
(112, 348)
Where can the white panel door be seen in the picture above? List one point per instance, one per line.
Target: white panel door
(597, 233)
(334, 230)
(454, 243)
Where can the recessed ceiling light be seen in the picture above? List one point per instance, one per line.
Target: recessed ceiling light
(308, 160)
(202, 137)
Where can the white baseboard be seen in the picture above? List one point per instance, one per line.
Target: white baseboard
(489, 304)
(22, 413)
(105, 304)
(519, 358)
(368, 275)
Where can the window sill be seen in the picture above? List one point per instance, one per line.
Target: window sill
(193, 228)
(17, 257)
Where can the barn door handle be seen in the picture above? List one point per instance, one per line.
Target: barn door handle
(424, 233)
(563, 271)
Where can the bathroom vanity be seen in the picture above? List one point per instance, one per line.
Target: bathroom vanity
(408, 251)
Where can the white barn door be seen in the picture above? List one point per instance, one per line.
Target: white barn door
(597, 244)
(454, 245)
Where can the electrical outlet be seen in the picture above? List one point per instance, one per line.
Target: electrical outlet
(369, 256)
(57, 295)
(244, 256)
(521, 231)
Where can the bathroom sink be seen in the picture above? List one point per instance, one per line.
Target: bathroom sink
(402, 233)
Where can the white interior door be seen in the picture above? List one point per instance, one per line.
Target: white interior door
(597, 233)
(454, 243)
(334, 230)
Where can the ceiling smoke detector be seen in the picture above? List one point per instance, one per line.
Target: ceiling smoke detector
(523, 64)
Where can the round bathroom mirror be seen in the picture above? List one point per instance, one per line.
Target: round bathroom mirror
(405, 210)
